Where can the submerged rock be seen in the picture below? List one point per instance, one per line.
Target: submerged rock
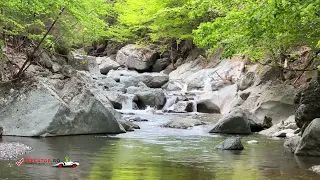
(231, 144)
(128, 126)
(11, 150)
(253, 142)
(236, 122)
(183, 123)
(310, 142)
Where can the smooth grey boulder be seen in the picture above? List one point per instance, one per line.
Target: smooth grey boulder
(310, 142)
(42, 110)
(230, 144)
(183, 123)
(135, 57)
(83, 62)
(236, 122)
(106, 64)
(307, 105)
(269, 74)
(115, 98)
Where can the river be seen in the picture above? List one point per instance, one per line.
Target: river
(159, 153)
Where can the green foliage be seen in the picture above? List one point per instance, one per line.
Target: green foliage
(258, 27)
(82, 20)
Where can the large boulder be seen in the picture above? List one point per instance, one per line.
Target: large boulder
(135, 57)
(43, 110)
(269, 73)
(106, 64)
(274, 100)
(148, 97)
(310, 142)
(236, 122)
(231, 144)
(183, 123)
(307, 104)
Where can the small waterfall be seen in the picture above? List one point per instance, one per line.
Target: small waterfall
(207, 85)
(185, 88)
(127, 103)
(171, 101)
(194, 106)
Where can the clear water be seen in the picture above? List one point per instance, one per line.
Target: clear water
(161, 154)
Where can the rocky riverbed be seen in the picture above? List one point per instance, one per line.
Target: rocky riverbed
(75, 98)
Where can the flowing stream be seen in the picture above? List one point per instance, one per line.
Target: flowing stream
(160, 153)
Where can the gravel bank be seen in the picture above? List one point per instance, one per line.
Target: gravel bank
(11, 150)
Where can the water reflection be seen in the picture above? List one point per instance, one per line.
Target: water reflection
(158, 153)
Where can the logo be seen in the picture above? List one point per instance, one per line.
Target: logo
(56, 162)
(20, 162)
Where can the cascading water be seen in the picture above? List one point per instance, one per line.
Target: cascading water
(127, 103)
(185, 88)
(207, 85)
(170, 102)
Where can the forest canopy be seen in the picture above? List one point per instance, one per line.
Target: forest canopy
(253, 27)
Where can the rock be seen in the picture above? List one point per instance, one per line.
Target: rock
(246, 81)
(160, 64)
(183, 123)
(128, 126)
(236, 122)
(269, 74)
(267, 122)
(245, 95)
(128, 81)
(115, 98)
(272, 100)
(283, 133)
(83, 62)
(12, 150)
(310, 141)
(292, 126)
(42, 110)
(253, 142)
(315, 169)
(57, 76)
(182, 107)
(271, 131)
(255, 126)
(207, 106)
(1, 130)
(148, 97)
(307, 105)
(168, 69)
(292, 143)
(137, 119)
(56, 68)
(231, 144)
(153, 80)
(106, 64)
(134, 57)
(44, 59)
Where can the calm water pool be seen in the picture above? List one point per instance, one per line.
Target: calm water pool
(161, 154)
